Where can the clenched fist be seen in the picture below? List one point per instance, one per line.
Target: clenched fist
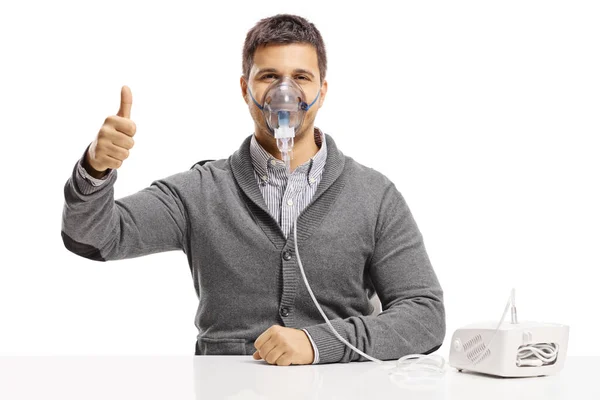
(114, 140)
(284, 346)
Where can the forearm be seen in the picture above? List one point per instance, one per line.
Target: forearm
(414, 325)
(98, 227)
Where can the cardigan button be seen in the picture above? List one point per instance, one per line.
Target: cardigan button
(285, 312)
(287, 255)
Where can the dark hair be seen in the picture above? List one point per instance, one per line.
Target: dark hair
(281, 29)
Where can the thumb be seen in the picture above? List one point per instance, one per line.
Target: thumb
(126, 98)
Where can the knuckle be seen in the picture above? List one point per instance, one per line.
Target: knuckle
(103, 131)
(133, 127)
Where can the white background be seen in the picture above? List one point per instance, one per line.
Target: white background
(484, 114)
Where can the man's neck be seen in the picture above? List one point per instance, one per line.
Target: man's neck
(304, 147)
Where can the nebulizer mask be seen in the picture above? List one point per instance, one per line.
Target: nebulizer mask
(284, 107)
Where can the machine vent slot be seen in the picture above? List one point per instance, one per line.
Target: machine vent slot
(475, 354)
(473, 342)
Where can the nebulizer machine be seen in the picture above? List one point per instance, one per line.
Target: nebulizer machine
(514, 349)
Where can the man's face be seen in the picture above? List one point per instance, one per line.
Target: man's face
(297, 61)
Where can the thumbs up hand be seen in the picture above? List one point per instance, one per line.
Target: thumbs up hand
(114, 140)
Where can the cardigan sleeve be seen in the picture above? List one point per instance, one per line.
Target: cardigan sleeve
(100, 228)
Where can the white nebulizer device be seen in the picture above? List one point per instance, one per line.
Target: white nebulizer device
(515, 349)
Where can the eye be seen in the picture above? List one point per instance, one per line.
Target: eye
(303, 77)
(269, 76)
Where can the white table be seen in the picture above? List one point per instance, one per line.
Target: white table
(241, 377)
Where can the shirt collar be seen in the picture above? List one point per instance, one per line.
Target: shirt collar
(313, 167)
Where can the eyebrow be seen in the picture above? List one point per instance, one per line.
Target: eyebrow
(296, 71)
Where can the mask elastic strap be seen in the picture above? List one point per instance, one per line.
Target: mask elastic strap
(306, 107)
(255, 102)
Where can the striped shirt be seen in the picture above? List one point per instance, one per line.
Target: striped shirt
(286, 199)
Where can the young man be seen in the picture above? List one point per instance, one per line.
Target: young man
(234, 217)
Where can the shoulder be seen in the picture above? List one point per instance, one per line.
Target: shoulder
(379, 195)
(367, 178)
(220, 166)
(203, 173)
(374, 188)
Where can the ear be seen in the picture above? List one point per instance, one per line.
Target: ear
(244, 87)
(323, 93)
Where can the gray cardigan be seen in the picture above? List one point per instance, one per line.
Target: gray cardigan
(356, 237)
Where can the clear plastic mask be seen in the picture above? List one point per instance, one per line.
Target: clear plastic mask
(283, 106)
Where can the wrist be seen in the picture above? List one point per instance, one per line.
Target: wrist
(90, 170)
(312, 350)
